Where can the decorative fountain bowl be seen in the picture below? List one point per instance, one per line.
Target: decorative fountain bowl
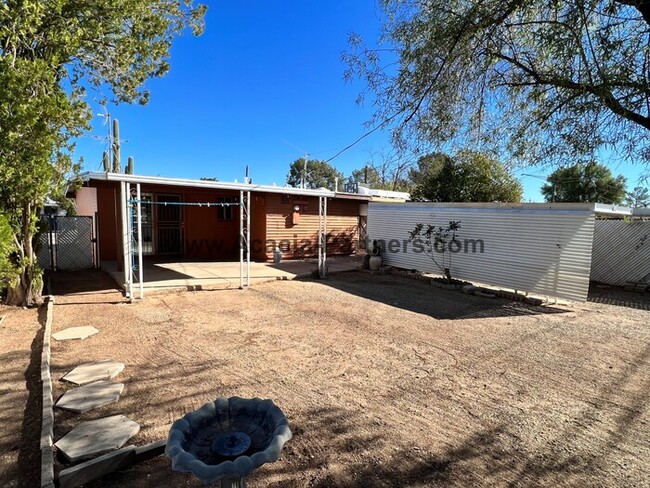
(227, 439)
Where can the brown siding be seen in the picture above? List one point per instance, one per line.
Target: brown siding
(301, 239)
(258, 226)
(205, 235)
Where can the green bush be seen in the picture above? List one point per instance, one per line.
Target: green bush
(8, 271)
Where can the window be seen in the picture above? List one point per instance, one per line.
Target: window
(225, 212)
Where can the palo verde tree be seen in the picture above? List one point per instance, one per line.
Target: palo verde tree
(591, 182)
(50, 52)
(542, 81)
(313, 173)
(468, 176)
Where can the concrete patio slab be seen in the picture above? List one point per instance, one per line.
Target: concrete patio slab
(75, 333)
(95, 437)
(160, 274)
(89, 372)
(90, 396)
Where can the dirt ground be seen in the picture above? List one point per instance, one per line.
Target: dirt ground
(21, 399)
(385, 381)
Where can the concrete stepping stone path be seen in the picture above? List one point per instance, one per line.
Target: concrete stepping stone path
(90, 396)
(75, 333)
(95, 437)
(89, 372)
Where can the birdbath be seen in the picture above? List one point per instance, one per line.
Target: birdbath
(224, 441)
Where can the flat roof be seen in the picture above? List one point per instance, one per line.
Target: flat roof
(218, 185)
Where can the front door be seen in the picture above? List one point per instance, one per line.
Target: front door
(169, 224)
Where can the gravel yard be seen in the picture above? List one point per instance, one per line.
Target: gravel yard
(21, 340)
(385, 381)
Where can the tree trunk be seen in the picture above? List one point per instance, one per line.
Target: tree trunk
(17, 295)
(27, 290)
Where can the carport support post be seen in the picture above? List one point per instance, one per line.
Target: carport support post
(139, 213)
(126, 238)
(129, 242)
(322, 236)
(244, 237)
(248, 238)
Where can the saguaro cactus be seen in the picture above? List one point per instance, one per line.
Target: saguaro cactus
(116, 147)
(129, 166)
(106, 162)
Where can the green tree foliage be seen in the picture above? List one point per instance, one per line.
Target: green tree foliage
(8, 271)
(469, 176)
(381, 177)
(591, 182)
(638, 197)
(541, 81)
(50, 52)
(319, 174)
(367, 175)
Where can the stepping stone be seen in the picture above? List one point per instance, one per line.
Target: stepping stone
(95, 437)
(89, 372)
(75, 333)
(88, 471)
(91, 396)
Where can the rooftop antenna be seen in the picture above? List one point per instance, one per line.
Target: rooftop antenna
(105, 164)
(303, 175)
(111, 158)
(303, 178)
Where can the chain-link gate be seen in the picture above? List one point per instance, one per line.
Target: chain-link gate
(67, 243)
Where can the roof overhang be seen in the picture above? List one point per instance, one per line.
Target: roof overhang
(217, 185)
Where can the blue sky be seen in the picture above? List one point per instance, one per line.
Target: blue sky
(261, 87)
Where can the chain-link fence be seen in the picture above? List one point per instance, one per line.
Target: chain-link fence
(66, 244)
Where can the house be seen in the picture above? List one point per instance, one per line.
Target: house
(187, 219)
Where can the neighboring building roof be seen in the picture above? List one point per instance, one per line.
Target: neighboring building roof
(597, 208)
(218, 185)
(641, 211)
(387, 195)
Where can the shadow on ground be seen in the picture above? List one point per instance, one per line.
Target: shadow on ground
(617, 296)
(24, 448)
(422, 298)
(85, 285)
(346, 447)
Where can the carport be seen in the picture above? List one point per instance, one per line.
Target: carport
(151, 219)
(134, 265)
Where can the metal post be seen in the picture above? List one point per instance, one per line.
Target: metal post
(324, 272)
(140, 271)
(52, 239)
(320, 241)
(125, 234)
(322, 236)
(129, 242)
(248, 238)
(241, 239)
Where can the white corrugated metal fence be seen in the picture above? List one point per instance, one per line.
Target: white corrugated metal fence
(528, 247)
(621, 251)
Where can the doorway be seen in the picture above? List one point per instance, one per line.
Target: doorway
(169, 224)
